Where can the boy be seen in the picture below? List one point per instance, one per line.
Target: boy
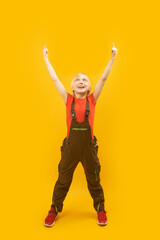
(80, 145)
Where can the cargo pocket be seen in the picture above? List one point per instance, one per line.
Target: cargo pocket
(96, 148)
(94, 145)
(97, 173)
(65, 144)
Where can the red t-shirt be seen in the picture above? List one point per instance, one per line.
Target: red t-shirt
(80, 107)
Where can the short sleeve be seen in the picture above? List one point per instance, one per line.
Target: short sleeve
(92, 98)
(69, 97)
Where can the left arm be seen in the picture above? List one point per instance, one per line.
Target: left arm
(105, 74)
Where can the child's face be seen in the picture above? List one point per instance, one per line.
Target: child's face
(81, 85)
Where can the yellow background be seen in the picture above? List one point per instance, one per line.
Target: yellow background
(79, 36)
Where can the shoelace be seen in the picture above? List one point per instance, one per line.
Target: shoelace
(51, 213)
(50, 216)
(102, 215)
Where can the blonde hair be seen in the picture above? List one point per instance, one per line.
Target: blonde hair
(75, 77)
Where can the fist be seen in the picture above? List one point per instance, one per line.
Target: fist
(45, 52)
(114, 51)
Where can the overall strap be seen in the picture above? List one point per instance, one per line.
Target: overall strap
(87, 111)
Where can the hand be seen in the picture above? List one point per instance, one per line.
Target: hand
(114, 51)
(45, 52)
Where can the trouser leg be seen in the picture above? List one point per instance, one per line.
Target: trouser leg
(92, 169)
(66, 169)
(61, 187)
(95, 189)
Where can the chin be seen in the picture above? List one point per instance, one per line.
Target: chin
(82, 93)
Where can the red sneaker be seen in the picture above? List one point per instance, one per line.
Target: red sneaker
(102, 218)
(50, 219)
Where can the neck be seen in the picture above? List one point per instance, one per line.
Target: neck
(82, 95)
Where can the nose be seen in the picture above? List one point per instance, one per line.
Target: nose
(81, 80)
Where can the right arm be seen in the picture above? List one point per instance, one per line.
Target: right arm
(62, 91)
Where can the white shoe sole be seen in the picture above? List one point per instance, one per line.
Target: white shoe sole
(47, 225)
(102, 223)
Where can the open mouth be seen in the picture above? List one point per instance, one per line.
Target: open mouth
(81, 87)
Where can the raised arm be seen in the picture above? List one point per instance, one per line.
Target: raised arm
(62, 91)
(105, 74)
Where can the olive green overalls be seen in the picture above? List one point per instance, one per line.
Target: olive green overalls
(79, 147)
